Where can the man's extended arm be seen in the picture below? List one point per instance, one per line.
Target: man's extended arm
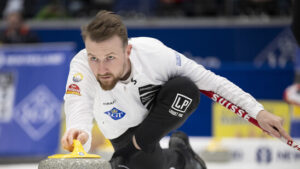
(79, 100)
(179, 65)
(207, 80)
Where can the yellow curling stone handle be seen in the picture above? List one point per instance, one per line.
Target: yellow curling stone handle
(78, 152)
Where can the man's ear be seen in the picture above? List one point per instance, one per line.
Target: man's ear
(128, 50)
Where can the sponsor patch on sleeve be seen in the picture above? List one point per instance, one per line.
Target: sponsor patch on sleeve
(73, 89)
(180, 105)
(77, 77)
(178, 59)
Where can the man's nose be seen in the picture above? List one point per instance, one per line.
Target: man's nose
(101, 68)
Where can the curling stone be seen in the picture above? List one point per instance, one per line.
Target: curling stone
(78, 159)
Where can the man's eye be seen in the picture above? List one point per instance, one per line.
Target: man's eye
(93, 58)
(110, 57)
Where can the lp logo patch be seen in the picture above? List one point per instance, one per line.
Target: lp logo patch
(180, 105)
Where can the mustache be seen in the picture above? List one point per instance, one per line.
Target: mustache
(106, 74)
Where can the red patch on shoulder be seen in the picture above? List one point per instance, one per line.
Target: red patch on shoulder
(73, 89)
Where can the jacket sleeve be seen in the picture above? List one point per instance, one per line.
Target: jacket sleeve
(79, 96)
(209, 81)
(177, 64)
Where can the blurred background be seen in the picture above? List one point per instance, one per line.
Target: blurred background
(250, 42)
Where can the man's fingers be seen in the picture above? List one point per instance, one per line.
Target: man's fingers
(69, 136)
(65, 143)
(273, 131)
(278, 131)
(83, 137)
(272, 124)
(284, 133)
(69, 148)
(73, 134)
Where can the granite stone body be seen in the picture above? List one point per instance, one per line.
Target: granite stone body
(74, 163)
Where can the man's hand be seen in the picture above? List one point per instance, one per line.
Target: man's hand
(272, 124)
(67, 139)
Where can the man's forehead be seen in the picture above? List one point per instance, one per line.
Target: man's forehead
(104, 48)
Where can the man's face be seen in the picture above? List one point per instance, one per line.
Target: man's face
(109, 60)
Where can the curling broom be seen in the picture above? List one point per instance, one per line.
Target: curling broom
(243, 114)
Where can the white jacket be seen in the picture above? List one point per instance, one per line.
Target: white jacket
(127, 104)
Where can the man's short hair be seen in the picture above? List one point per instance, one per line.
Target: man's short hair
(105, 25)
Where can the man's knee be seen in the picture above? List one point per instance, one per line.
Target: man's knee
(180, 95)
(175, 102)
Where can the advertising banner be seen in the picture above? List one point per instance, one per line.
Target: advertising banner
(228, 124)
(32, 85)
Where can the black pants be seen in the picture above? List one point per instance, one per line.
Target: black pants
(174, 103)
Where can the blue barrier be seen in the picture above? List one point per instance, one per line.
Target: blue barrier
(33, 79)
(228, 44)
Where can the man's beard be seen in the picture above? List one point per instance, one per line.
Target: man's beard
(108, 85)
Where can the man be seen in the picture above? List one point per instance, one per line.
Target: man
(138, 91)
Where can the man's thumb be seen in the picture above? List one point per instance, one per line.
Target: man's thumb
(83, 137)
